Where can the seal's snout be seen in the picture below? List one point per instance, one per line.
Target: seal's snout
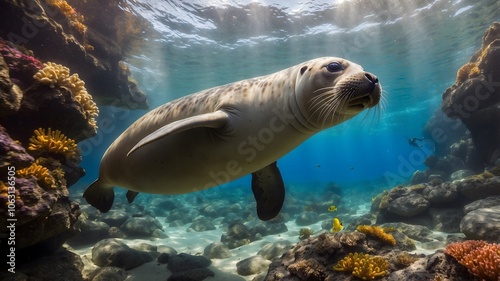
(372, 78)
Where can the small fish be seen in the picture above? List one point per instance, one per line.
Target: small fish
(332, 208)
(337, 225)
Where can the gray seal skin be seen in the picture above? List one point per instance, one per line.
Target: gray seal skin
(223, 133)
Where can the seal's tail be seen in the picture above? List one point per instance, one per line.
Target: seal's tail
(100, 196)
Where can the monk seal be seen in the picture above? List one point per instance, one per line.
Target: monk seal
(223, 133)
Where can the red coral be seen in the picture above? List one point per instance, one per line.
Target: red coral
(481, 258)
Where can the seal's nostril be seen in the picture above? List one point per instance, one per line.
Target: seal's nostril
(371, 77)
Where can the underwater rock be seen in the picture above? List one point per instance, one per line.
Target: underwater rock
(443, 131)
(93, 48)
(418, 177)
(163, 258)
(440, 194)
(482, 224)
(42, 99)
(12, 153)
(474, 98)
(60, 266)
(460, 174)
(482, 203)
(113, 252)
(275, 249)
(115, 217)
(10, 93)
(216, 250)
(307, 218)
(185, 262)
(108, 273)
(197, 274)
(201, 224)
(409, 206)
(252, 265)
(237, 235)
(446, 219)
(158, 233)
(90, 232)
(479, 186)
(434, 267)
(115, 232)
(45, 217)
(416, 232)
(140, 227)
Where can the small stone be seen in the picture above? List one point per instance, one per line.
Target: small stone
(252, 265)
(271, 250)
(482, 224)
(216, 250)
(307, 218)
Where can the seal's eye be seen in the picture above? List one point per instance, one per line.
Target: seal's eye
(334, 67)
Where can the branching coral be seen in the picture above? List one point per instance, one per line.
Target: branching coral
(363, 266)
(58, 75)
(481, 258)
(378, 232)
(53, 142)
(42, 174)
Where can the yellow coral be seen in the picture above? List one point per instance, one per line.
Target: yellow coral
(58, 75)
(378, 232)
(53, 74)
(42, 174)
(468, 70)
(75, 19)
(53, 142)
(363, 266)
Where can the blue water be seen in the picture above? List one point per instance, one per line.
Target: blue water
(414, 47)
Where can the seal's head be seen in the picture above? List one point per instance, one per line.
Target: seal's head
(331, 90)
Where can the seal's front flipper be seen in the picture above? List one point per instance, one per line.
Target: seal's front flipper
(269, 191)
(131, 195)
(100, 196)
(217, 119)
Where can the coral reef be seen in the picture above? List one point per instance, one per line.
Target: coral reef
(378, 232)
(58, 75)
(481, 258)
(41, 173)
(75, 19)
(363, 266)
(52, 142)
(94, 49)
(474, 96)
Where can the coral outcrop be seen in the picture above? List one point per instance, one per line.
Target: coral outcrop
(57, 75)
(52, 142)
(363, 266)
(480, 258)
(377, 232)
(90, 38)
(475, 95)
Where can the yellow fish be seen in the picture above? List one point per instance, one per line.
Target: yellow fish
(337, 225)
(332, 208)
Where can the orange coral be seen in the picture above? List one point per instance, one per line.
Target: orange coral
(378, 232)
(76, 19)
(481, 258)
(53, 142)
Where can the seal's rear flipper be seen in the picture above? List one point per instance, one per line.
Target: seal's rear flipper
(131, 195)
(100, 196)
(269, 191)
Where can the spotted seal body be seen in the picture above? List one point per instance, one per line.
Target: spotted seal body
(221, 134)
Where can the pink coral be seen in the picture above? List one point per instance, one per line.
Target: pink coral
(481, 258)
(17, 60)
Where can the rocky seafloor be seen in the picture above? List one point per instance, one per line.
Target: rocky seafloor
(432, 219)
